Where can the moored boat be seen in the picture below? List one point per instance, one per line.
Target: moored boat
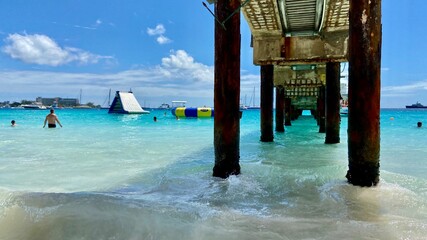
(34, 106)
(164, 106)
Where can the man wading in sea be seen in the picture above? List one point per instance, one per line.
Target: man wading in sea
(51, 120)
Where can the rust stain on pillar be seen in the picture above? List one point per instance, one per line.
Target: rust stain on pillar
(288, 112)
(321, 109)
(364, 92)
(280, 108)
(333, 96)
(227, 90)
(267, 89)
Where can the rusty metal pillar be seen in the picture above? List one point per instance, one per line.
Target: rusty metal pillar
(333, 97)
(267, 90)
(227, 90)
(280, 108)
(288, 111)
(321, 109)
(364, 92)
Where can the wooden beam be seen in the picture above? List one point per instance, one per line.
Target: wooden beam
(227, 90)
(364, 92)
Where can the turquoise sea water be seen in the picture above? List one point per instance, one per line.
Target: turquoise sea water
(106, 176)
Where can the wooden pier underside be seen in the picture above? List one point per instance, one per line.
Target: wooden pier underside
(299, 40)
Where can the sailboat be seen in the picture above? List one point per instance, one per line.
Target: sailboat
(80, 105)
(243, 105)
(108, 103)
(253, 102)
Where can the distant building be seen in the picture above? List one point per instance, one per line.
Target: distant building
(65, 102)
(60, 102)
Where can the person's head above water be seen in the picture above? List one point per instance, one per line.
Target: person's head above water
(419, 124)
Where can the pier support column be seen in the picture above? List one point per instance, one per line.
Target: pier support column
(267, 90)
(364, 92)
(333, 102)
(288, 111)
(280, 108)
(321, 109)
(294, 113)
(313, 113)
(227, 90)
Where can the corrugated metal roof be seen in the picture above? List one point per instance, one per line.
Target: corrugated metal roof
(296, 17)
(301, 16)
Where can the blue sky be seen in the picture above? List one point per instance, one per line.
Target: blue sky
(163, 51)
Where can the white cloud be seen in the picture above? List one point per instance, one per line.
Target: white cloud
(181, 65)
(42, 50)
(84, 27)
(159, 30)
(421, 85)
(178, 76)
(98, 22)
(163, 40)
(93, 26)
